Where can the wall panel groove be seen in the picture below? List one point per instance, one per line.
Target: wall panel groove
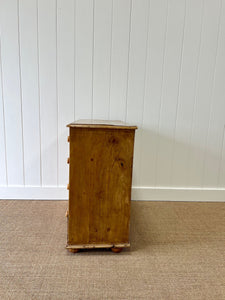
(221, 173)
(110, 61)
(211, 95)
(57, 84)
(29, 91)
(65, 81)
(160, 99)
(187, 97)
(3, 151)
(21, 94)
(178, 103)
(195, 96)
(136, 75)
(74, 59)
(139, 158)
(102, 58)
(48, 99)
(204, 86)
(128, 59)
(38, 95)
(11, 88)
(92, 70)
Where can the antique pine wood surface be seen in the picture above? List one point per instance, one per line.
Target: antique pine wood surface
(101, 124)
(100, 179)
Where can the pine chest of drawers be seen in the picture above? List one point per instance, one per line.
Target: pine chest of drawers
(100, 177)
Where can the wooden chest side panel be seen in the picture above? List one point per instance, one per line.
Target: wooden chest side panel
(100, 185)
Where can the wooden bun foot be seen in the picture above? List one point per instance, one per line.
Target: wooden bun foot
(73, 250)
(116, 250)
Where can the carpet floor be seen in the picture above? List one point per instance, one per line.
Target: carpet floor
(177, 252)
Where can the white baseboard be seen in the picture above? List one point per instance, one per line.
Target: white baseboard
(34, 193)
(138, 193)
(178, 194)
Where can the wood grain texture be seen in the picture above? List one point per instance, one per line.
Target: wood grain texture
(100, 185)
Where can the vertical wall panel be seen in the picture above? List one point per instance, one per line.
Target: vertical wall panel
(3, 168)
(119, 58)
(214, 144)
(170, 90)
(154, 70)
(83, 58)
(136, 75)
(186, 95)
(48, 94)
(65, 81)
(221, 175)
(30, 90)
(204, 85)
(12, 90)
(102, 58)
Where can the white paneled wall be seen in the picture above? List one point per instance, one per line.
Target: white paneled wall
(159, 64)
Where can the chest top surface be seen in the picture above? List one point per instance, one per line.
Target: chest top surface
(106, 124)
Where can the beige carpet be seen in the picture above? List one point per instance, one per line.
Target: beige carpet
(177, 252)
